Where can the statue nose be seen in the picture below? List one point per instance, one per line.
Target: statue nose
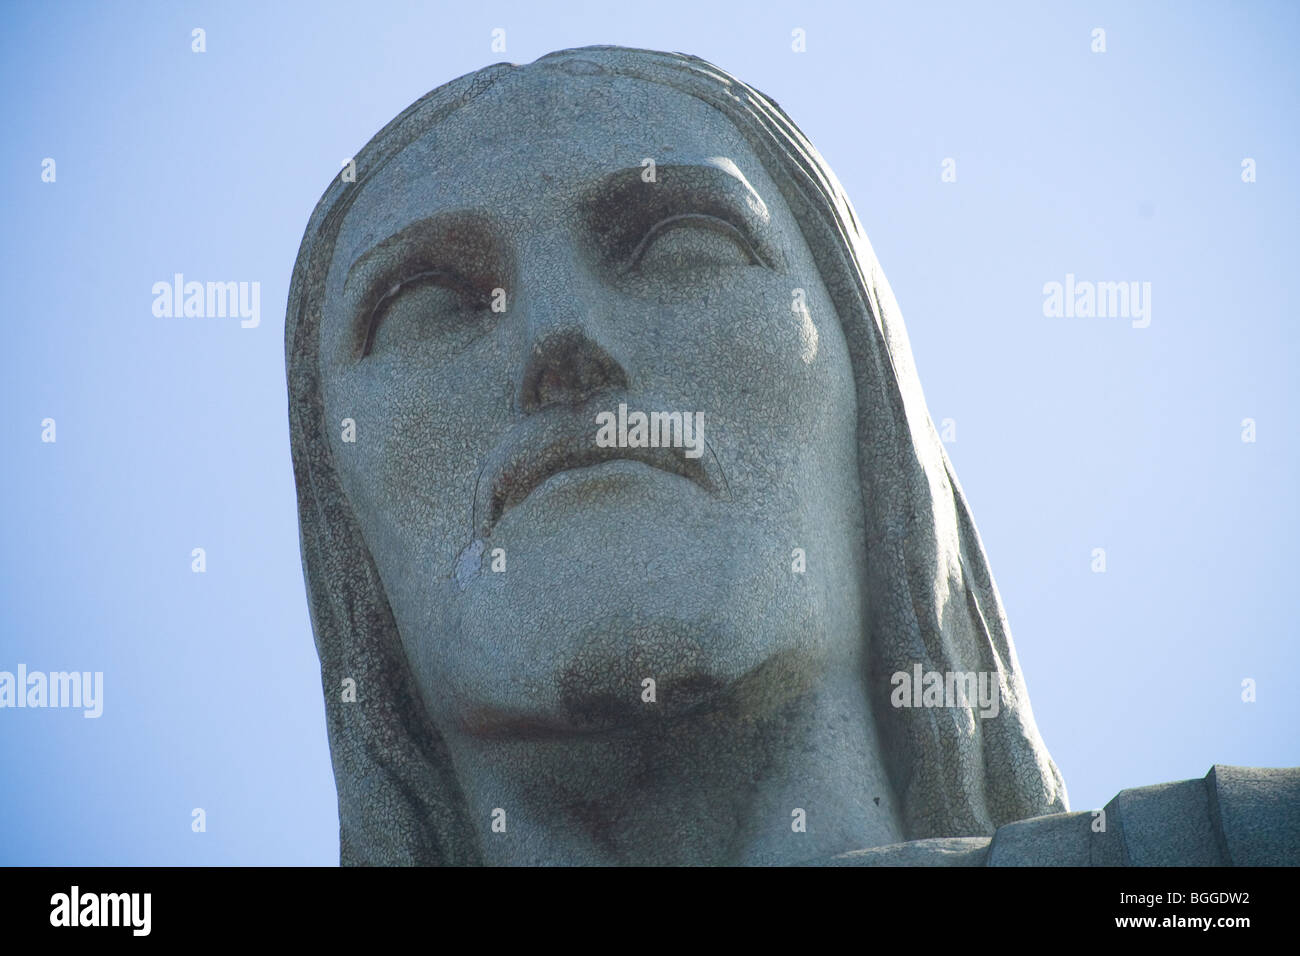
(567, 365)
(569, 356)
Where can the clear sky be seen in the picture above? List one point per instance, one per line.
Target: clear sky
(1071, 434)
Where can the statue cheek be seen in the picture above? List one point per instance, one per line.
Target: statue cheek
(777, 356)
(759, 327)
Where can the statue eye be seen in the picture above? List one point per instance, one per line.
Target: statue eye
(407, 308)
(691, 241)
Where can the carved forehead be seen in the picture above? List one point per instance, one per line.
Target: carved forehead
(536, 138)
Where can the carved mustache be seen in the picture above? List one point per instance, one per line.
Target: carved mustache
(562, 438)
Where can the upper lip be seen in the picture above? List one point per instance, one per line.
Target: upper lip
(561, 438)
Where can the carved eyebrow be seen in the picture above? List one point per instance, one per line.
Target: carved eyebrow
(463, 245)
(622, 206)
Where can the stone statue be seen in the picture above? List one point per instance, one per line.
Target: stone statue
(627, 534)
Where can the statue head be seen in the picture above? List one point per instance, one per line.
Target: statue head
(613, 466)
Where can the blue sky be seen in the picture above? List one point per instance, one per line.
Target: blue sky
(1071, 434)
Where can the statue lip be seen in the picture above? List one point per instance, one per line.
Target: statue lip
(564, 438)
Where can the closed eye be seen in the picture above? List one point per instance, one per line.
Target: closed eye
(467, 295)
(694, 221)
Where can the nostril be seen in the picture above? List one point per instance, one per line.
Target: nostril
(553, 384)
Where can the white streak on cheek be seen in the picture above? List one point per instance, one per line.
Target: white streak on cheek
(469, 563)
(807, 336)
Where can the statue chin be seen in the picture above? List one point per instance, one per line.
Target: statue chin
(614, 598)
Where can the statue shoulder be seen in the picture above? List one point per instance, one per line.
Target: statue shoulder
(1233, 816)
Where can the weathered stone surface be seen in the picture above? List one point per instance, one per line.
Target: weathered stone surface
(938, 851)
(1058, 839)
(1168, 824)
(1257, 812)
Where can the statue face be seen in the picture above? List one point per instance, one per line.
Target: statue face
(498, 292)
